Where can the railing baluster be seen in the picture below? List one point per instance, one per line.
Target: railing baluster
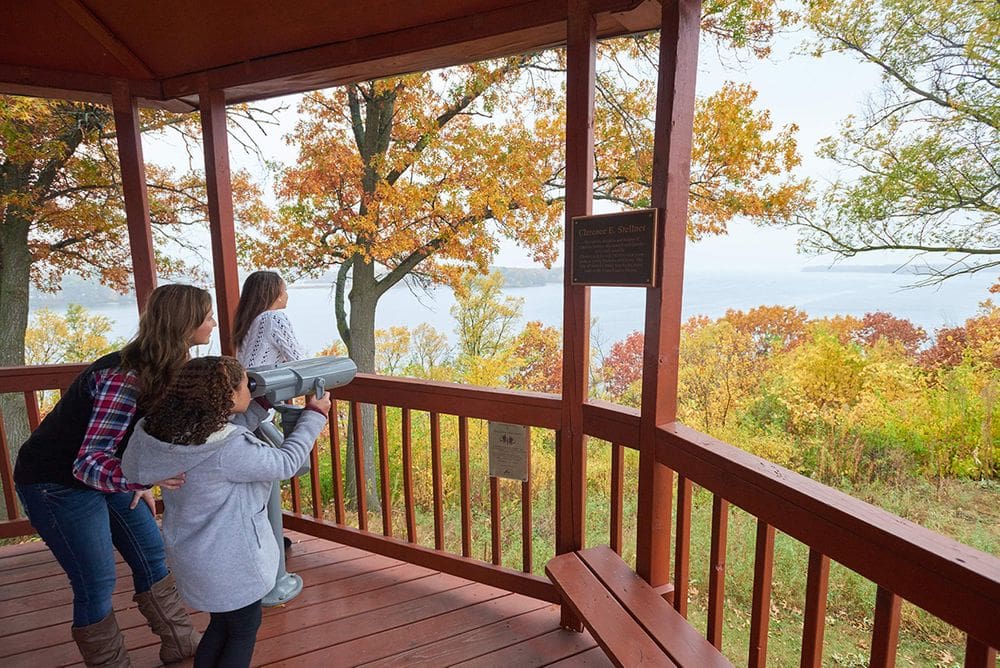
(338, 474)
(437, 482)
(361, 485)
(34, 415)
(761, 607)
(814, 622)
(885, 631)
(407, 447)
(314, 483)
(6, 473)
(383, 461)
(979, 655)
(296, 496)
(617, 488)
(463, 476)
(495, 519)
(717, 570)
(682, 549)
(526, 528)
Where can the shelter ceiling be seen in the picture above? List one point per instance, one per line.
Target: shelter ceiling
(168, 51)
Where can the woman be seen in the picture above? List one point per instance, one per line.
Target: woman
(69, 478)
(218, 538)
(262, 334)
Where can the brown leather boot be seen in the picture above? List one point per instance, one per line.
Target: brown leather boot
(101, 644)
(162, 608)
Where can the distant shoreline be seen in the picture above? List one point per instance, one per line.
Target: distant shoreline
(876, 269)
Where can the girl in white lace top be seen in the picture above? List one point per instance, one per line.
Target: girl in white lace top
(262, 333)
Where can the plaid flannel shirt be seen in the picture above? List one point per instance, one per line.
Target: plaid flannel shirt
(115, 393)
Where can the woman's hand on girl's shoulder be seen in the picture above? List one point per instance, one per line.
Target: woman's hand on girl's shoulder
(321, 405)
(175, 482)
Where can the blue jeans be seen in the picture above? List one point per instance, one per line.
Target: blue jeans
(80, 526)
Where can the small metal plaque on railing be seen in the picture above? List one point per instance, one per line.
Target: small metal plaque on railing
(508, 450)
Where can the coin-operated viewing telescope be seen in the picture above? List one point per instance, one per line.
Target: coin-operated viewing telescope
(296, 379)
(278, 384)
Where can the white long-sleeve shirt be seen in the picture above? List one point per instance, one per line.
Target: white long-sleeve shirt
(269, 341)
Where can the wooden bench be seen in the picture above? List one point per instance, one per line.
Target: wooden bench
(631, 622)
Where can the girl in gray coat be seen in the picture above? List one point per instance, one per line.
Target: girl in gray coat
(219, 544)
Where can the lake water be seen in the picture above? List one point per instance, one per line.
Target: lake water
(619, 311)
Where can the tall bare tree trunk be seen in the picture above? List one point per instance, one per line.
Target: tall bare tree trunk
(361, 348)
(15, 271)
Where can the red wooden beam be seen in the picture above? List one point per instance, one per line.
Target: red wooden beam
(954, 582)
(671, 170)
(760, 613)
(220, 213)
(508, 29)
(571, 450)
(140, 233)
(885, 629)
(814, 615)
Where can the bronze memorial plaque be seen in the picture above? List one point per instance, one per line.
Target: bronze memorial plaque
(615, 249)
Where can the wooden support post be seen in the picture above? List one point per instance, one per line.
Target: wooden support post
(671, 172)
(220, 212)
(140, 233)
(571, 450)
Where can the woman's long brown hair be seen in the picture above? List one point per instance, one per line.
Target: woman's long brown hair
(260, 289)
(171, 315)
(197, 402)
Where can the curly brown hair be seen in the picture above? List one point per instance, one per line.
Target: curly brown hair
(198, 402)
(170, 317)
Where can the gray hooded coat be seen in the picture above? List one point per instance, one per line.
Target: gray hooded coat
(219, 544)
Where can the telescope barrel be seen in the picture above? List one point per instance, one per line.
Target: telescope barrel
(301, 377)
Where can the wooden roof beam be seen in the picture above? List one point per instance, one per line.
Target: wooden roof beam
(96, 29)
(392, 45)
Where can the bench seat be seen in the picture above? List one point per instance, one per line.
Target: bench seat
(630, 621)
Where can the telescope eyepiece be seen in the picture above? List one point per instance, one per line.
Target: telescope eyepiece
(251, 384)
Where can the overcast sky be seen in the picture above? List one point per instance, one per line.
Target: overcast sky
(815, 94)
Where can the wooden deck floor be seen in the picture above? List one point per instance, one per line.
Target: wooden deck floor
(357, 608)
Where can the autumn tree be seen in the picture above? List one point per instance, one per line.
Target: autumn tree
(772, 328)
(921, 163)
(882, 326)
(716, 371)
(623, 364)
(430, 352)
(62, 208)
(485, 324)
(76, 336)
(392, 347)
(977, 340)
(417, 177)
(538, 350)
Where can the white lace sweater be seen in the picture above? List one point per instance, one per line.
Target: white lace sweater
(269, 341)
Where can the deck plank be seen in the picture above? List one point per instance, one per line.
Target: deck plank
(356, 607)
(592, 657)
(538, 651)
(477, 642)
(395, 611)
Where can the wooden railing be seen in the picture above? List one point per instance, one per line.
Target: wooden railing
(951, 581)
(438, 401)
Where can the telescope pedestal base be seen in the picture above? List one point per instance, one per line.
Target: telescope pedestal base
(287, 585)
(285, 589)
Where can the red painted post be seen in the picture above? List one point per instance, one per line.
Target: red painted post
(140, 233)
(571, 450)
(220, 212)
(671, 172)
